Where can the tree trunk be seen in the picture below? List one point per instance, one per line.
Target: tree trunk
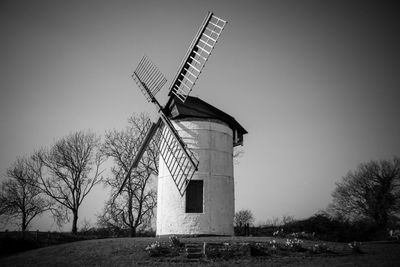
(23, 226)
(132, 232)
(75, 221)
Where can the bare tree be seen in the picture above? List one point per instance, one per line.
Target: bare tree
(85, 226)
(134, 207)
(274, 221)
(111, 218)
(287, 219)
(20, 199)
(372, 192)
(243, 217)
(242, 220)
(68, 172)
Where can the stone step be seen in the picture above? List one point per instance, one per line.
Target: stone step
(194, 250)
(213, 246)
(194, 245)
(194, 255)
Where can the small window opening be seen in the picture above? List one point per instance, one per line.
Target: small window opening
(194, 197)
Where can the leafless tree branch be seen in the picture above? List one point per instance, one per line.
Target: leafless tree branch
(69, 170)
(133, 208)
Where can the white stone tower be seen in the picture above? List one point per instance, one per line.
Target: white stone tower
(207, 207)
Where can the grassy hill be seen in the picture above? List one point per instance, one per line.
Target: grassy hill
(130, 252)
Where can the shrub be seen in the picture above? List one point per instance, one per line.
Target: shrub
(175, 242)
(258, 250)
(294, 244)
(355, 247)
(320, 248)
(279, 233)
(155, 249)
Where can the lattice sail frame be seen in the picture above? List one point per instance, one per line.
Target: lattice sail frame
(178, 158)
(181, 162)
(149, 78)
(181, 166)
(197, 56)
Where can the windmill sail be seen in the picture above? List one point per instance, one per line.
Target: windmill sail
(180, 161)
(141, 145)
(197, 56)
(149, 79)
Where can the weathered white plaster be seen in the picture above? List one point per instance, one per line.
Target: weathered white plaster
(211, 142)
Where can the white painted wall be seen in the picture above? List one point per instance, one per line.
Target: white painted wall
(211, 142)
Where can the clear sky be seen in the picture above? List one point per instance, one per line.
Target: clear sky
(315, 83)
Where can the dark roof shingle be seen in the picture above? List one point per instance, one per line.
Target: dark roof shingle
(194, 107)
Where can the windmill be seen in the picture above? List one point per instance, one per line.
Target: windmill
(178, 163)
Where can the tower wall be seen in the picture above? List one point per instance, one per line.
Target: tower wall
(211, 142)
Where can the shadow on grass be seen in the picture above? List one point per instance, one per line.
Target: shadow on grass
(11, 245)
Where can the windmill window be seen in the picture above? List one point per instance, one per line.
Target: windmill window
(194, 197)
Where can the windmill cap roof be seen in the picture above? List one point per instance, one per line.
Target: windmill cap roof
(194, 107)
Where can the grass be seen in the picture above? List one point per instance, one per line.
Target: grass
(13, 242)
(130, 252)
